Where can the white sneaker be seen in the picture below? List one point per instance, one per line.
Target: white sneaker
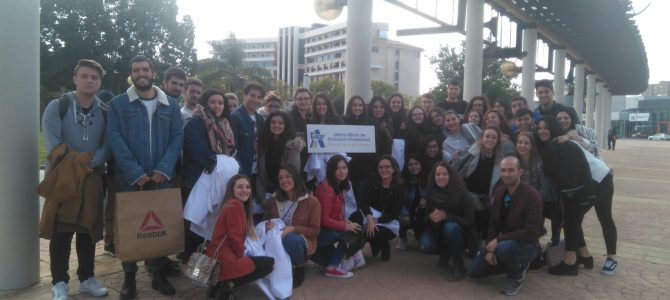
(348, 263)
(93, 287)
(402, 244)
(60, 291)
(359, 260)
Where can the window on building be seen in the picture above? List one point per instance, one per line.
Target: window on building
(397, 52)
(375, 49)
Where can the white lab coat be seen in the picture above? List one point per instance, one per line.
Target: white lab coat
(204, 202)
(315, 167)
(279, 283)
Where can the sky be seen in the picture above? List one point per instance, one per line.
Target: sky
(214, 19)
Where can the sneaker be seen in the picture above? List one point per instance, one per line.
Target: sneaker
(109, 249)
(402, 244)
(358, 259)
(524, 269)
(338, 272)
(93, 287)
(609, 268)
(348, 263)
(511, 287)
(60, 291)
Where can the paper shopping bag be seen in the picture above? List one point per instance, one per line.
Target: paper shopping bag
(148, 224)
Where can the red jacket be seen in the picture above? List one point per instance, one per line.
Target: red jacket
(332, 212)
(232, 225)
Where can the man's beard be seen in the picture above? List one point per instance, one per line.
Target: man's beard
(140, 87)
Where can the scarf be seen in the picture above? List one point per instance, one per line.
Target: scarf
(219, 132)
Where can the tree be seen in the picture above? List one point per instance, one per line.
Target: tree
(110, 32)
(381, 88)
(450, 66)
(331, 87)
(226, 70)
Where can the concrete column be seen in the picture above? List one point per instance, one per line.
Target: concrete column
(19, 82)
(590, 99)
(359, 49)
(578, 96)
(529, 45)
(600, 95)
(474, 51)
(559, 75)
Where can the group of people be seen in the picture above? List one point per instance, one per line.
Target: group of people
(470, 179)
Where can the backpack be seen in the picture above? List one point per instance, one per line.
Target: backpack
(64, 104)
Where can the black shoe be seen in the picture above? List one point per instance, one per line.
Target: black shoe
(162, 285)
(537, 263)
(563, 269)
(129, 289)
(375, 249)
(386, 251)
(444, 261)
(586, 261)
(109, 249)
(298, 276)
(226, 292)
(212, 290)
(458, 273)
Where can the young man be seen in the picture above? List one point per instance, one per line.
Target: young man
(523, 120)
(145, 132)
(174, 82)
(300, 115)
(427, 103)
(77, 120)
(453, 102)
(191, 97)
(247, 125)
(514, 229)
(233, 103)
(544, 90)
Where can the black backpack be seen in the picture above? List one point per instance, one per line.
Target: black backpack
(64, 104)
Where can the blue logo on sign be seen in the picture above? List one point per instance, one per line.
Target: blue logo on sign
(317, 139)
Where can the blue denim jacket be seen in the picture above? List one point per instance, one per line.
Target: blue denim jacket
(245, 141)
(136, 153)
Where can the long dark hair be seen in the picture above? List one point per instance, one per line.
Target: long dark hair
(350, 118)
(409, 177)
(331, 167)
(204, 99)
(267, 140)
(574, 119)
(456, 186)
(248, 212)
(504, 128)
(298, 184)
(331, 116)
(414, 128)
(387, 110)
(396, 179)
(554, 127)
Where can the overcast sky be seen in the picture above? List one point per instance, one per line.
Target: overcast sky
(262, 18)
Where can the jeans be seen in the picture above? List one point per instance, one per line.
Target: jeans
(59, 253)
(326, 253)
(295, 246)
(512, 257)
(449, 243)
(603, 207)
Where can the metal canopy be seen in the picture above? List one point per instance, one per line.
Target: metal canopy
(600, 32)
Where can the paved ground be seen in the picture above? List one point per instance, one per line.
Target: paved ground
(640, 211)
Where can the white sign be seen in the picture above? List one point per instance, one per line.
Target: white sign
(638, 117)
(340, 138)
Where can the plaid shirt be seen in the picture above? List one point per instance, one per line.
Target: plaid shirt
(589, 140)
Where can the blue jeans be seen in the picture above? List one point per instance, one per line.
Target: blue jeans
(449, 243)
(326, 254)
(512, 257)
(295, 246)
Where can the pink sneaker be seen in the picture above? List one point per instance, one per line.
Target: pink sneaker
(338, 272)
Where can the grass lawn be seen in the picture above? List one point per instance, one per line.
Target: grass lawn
(43, 151)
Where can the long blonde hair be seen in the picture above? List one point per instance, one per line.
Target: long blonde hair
(247, 209)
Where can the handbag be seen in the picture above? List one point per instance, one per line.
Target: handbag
(202, 269)
(353, 241)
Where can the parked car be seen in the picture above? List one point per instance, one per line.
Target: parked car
(659, 137)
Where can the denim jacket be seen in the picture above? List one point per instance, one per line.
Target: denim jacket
(136, 153)
(245, 141)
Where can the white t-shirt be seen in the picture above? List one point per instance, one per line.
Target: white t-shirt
(151, 109)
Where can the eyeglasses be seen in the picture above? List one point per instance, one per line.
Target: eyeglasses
(273, 105)
(303, 98)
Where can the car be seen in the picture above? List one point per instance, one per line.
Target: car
(659, 137)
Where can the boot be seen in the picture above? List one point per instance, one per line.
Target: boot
(298, 276)
(226, 292)
(162, 285)
(458, 273)
(129, 289)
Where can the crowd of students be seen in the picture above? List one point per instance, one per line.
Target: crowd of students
(474, 181)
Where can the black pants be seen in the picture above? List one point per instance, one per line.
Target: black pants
(191, 240)
(603, 206)
(553, 211)
(573, 215)
(381, 238)
(59, 253)
(263, 265)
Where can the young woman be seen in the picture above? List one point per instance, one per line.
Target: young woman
(437, 116)
(504, 109)
(450, 219)
(234, 223)
(301, 213)
(381, 118)
(480, 169)
(417, 128)
(277, 145)
(330, 194)
(412, 214)
(323, 112)
(459, 137)
(398, 114)
(272, 102)
(430, 151)
(207, 134)
(493, 118)
(603, 179)
(478, 103)
(381, 201)
(475, 117)
(361, 164)
(567, 166)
